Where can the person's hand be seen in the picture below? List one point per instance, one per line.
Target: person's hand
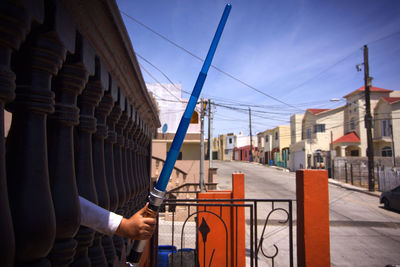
(137, 227)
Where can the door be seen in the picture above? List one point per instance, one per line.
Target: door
(299, 160)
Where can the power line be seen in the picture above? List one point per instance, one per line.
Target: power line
(202, 60)
(165, 75)
(159, 82)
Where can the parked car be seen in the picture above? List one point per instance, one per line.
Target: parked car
(391, 199)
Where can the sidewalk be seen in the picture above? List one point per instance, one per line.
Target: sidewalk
(337, 183)
(354, 188)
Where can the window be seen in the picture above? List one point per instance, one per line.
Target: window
(386, 151)
(385, 128)
(293, 132)
(230, 140)
(195, 118)
(308, 133)
(276, 135)
(319, 128)
(354, 153)
(352, 124)
(180, 156)
(266, 138)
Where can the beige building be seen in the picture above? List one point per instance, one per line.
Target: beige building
(260, 154)
(318, 128)
(224, 145)
(274, 144)
(296, 122)
(353, 141)
(341, 132)
(387, 127)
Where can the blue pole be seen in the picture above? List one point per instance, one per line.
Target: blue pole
(156, 196)
(185, 121)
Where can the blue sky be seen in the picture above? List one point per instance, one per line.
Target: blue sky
(301, 52)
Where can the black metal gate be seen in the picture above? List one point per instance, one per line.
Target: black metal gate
(268, 231)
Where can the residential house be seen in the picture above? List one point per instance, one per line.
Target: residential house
(171, 107)
(268, 146)
(318, 128)
(296, 122)
(353, 142)
(281, 144)
(260, 146)
(387, 127)
(243, 146)
(225, 145)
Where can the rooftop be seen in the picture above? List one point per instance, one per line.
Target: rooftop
(371, 89)
(348, 138)
(315, 111)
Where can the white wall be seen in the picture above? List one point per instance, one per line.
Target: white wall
(172, 109)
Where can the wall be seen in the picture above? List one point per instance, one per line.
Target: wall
(356, 108)
(295, 127)
(396, 127)
(171, 114)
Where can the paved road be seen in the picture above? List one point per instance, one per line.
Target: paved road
(362, 233)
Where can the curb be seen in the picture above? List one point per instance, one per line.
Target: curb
(354, 188)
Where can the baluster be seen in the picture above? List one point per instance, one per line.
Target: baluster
(117, 112)
(87, 102)
(11, 37)
(27, 167)
(139, 161)
(110, 163)
(147, 152)
(109, 142)
(118, 164)
(99, 164)
(96, 252)
(122, 138)
(128, 145)
(67, 86)
(142, 163)
(135, 164)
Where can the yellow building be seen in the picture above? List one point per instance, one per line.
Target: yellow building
(275, 144)
(387, 127)
(353, 142)
(318, 128)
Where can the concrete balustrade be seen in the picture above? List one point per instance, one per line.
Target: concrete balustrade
(81, 126)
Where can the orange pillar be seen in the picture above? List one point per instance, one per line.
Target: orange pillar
(312, 218)
(217, 248)
(226, 237)
(239, 236)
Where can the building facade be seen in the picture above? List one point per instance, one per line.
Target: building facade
(319, 127)
(387, 127)
(171, 107)
(354, 121)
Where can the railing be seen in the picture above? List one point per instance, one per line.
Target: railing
(81, 125)
(268, 222)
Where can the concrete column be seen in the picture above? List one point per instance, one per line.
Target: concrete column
(312, 218)
(343, 151)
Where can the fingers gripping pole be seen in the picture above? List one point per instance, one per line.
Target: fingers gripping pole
(156, 196)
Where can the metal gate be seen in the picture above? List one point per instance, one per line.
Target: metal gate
(268, 231)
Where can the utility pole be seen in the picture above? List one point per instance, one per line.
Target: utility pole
(368, 122)
(201, 180)
(251, 137)
(210, 134)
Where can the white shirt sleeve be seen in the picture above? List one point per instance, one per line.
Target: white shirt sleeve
(97, 218)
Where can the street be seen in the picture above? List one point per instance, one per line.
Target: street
(362, 233)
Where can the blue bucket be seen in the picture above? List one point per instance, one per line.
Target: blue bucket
(184, 257)
(163, 252)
